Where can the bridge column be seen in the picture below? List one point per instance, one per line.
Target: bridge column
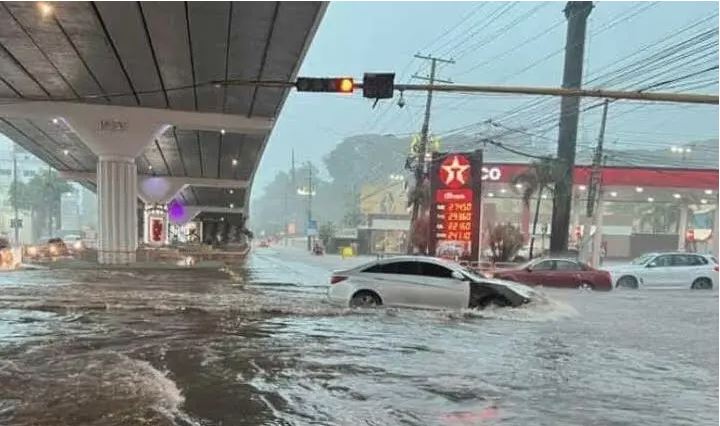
(117, 209)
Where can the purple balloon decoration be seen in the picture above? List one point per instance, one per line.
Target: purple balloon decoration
(176, 211)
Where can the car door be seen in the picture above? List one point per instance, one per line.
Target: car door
(687, 267)
(439, 289)
(568, 273)
(541, 273)
(658, 271)
(394, 281)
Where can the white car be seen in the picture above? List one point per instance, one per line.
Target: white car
(424, 282)
(686, 270)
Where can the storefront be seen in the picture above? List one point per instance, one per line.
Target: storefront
(644, 208)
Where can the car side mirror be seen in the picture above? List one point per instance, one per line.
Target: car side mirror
(652, 264)
(458, 276)
(529, 269)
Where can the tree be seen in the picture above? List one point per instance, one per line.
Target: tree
(24, 196)
(505, 241)
(326, 233)
(41, 197)
(538, 178)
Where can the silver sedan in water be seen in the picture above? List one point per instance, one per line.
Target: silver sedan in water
(424, 282)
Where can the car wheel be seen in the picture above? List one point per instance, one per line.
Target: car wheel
(627, 282)
(584, 285)
(365, 299)
(702, 284)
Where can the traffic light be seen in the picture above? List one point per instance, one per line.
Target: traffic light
(378, 85)
(336, 85)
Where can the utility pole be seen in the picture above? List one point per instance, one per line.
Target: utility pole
(15, 197)
(576, 13)
(310, 195)
(421, 164)
(594, 201)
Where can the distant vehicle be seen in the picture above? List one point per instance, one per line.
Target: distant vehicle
(687, 270)
(264, 244)
(565, 273)
(424, 282)
(54, 248)
(6, 254)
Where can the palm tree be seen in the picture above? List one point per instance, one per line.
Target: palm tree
(538, 178)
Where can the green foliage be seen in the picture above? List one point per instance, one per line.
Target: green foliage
(505, 241)
(538, 178)
(41, 197)
(326, 233)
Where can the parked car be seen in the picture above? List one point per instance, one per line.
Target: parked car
(425, 282)
(558, 272)
(686, 270)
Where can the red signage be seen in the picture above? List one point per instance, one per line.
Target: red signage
(455, 171)
(651, 177)
(454, 217)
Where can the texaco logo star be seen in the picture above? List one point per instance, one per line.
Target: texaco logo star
(453, 172)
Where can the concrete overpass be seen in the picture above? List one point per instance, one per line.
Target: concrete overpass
(121, 88)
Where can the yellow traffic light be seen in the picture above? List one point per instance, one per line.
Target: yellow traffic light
(337, 84)
(346, 85)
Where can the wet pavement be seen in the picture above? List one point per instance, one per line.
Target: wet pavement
(257, 345)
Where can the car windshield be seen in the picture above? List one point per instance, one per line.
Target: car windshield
(471, 274)
(642, 259)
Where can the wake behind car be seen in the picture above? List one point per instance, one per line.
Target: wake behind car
(684, 270)
(424, 282)
(558, 272)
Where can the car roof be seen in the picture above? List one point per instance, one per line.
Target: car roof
(571, 259)
(404, 258)
(676, 252)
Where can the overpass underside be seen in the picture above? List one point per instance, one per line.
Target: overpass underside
(121, 93)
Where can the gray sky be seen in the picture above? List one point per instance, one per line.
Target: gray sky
(358, 37)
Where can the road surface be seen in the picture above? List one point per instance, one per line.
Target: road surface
(257, 345)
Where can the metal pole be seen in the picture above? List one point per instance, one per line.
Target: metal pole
(594, 192)
(310, 195)
(15, 196)
(687, 98)
(522, 90)
(576, 13)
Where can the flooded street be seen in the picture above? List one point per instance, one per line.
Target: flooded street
(259, 346)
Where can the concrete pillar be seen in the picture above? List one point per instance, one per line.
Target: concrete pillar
(117, 209)
(682, 227)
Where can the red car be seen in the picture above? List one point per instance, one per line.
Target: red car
(564, 273)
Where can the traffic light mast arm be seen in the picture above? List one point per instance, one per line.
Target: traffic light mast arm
(522, 90)
(552, 91)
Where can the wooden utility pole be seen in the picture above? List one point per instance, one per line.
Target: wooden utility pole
(421, 164)
(576, 14)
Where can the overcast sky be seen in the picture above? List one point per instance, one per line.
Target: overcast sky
(358, 37)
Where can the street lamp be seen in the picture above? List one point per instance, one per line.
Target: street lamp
(681, 150)
(305, 191)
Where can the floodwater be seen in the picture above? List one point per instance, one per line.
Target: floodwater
(258, 346)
